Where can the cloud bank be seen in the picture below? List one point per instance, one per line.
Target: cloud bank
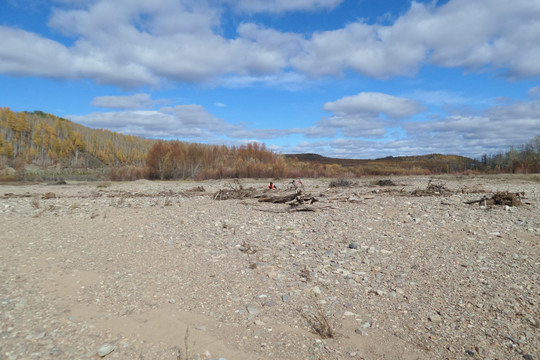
(137, 43)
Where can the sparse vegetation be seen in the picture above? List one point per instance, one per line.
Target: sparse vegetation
(340, 183)
(386, 182)
(318, 321)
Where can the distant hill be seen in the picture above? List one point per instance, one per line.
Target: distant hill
(436, 163)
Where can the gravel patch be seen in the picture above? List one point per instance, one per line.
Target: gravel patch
(160, 270)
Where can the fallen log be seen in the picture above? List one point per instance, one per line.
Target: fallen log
(278, 199)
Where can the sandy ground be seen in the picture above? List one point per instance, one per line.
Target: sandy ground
(151, 270)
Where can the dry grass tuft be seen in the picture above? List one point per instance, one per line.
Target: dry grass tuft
(340, 183)
(319, 323)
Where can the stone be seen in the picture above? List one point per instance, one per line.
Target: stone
(353, 246)
(362, 332)
(316, 290)
(253, 310)
(105, 350)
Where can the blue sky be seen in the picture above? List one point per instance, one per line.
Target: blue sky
(341, 78)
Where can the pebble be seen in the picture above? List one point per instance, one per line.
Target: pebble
(353, 246)
(105, 350)
(253, 310)
(362, 332)
(316, 290)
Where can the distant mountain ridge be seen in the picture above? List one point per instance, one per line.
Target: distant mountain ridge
(432, 162)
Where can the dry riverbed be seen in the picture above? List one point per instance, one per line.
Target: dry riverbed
(153, 270)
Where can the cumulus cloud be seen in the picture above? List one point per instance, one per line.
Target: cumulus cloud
(277, 6)
(493, 130)
(130, 44)
(534, 92)
(487, 132)
(26, 53)
(181, 121)
(364, 115)
(136, 101)
(187, 122)
(472, 34)
(373, 104)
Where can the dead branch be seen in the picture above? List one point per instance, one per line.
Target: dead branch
(500, 198)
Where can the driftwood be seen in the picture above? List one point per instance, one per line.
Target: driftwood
(278, 199)
(228, 194)
(500, 198)
(432, 189)
(234, 191)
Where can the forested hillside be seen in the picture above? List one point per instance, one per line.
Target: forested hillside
(44, 139)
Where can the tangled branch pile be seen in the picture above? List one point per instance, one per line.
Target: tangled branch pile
(432, 189)
(234, 191)
(503, 198)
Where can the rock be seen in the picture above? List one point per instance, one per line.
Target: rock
(316, 290)
(105, 350)
(366, 325)
(435, 318)
(253, 310)
(362, 332)
(348, 313)
(353, 246)
(284, 298)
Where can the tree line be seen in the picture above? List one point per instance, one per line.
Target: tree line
(523, 158)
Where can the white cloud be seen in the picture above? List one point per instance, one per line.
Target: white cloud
(135, 43)
(473, 34)
(374, 104)
(26, 53)
(534, 92)
(363, 115)
(136, 101)
(492, 131)
(182, 121)
(366, 49)
(277, 6)
(188, 122)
